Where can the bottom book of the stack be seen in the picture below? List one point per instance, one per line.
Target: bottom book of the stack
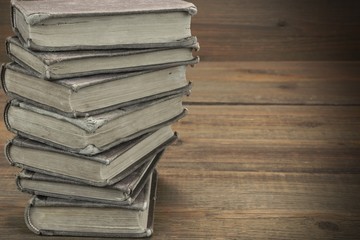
(56, 216)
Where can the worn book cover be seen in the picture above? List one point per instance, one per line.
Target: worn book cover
(92, 134)
(55, 216)
(66, 25)
(59, 65)
(93, 94)
(102, 169)
(123, 192)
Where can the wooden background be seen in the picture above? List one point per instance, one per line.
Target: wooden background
(271, 147)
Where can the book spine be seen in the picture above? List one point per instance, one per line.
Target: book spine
(5, 117)
(28, 217)
(7, 153)
(12, 19)
(13, 12)
(2, 78)
(18, 183)
(23, 175)
(7, 48)
(19, 186)
(153, 193)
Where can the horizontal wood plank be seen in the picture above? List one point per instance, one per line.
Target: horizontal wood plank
(259, 30)
(289, 83)
(268, 139)
(256, 205)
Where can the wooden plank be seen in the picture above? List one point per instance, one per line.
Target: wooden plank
(299, 83)
(259, 30)
(268, 139)
(256, 205)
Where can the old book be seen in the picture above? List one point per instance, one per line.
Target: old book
(77, 24)
(123, 192)
(59, 65)
(102, 169)
(93, 94)
(54, 216)
(93, 134)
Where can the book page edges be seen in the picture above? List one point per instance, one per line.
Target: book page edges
(78, 114)
(178, 43)
(49, 57)
(146, 233)
(105, 182)
(35, 16)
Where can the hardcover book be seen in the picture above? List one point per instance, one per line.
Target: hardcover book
(63, 25)
(102, 169)
(54, 216)
(93, 134)
(59, 65)
(123, 192)
(93, 94)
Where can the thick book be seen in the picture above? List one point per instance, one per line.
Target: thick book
(102, 169)
(59, 65)
(93, 94)
(77, 24)
(92, 134)
(123, 192)
(54, 216)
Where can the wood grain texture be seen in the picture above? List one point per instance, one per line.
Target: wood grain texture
(262, 172)
(260, 30)
(297, 83)
(269, 138)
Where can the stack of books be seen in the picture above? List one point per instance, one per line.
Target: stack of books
(94, 88)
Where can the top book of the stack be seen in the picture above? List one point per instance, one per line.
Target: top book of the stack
(61, 25)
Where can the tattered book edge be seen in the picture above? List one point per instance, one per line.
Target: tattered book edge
(147, 232)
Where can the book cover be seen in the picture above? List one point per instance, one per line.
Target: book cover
(59, 65)
(54, 216)
(92, 134)
(93, 94)
(103, 169)
(112, 23)
(123, 192)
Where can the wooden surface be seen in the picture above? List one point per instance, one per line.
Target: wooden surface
(270, 149)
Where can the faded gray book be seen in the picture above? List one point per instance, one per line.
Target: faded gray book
(92, 134)
(54, 216)
(103, 169)
(59, 65)
(123, 192)
(93, 94)
(63, 25)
